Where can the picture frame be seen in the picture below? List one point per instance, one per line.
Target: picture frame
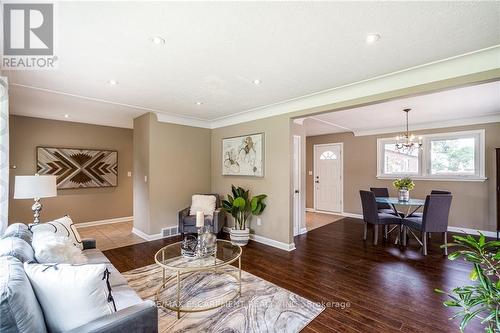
(243, 155)
(78, 167)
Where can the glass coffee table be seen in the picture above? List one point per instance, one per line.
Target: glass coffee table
(169, 258)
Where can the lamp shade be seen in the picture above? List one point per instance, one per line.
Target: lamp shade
(31, 187)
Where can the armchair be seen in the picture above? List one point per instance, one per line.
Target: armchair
(187, 223)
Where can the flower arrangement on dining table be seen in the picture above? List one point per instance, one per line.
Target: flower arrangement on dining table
(404, 186)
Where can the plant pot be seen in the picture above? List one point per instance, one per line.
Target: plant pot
(240, 237)
(403, 195)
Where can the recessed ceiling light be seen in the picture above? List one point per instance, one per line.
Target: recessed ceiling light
(66, 116)
(372, 38)
(199, 103)
(257, 82)
(112, 82)
(157, 40)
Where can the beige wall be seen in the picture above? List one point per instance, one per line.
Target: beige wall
(473, 203)
(176, 160)
(276, 222)
(82, 204)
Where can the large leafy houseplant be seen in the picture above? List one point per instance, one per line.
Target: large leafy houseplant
(241, 206)
(482, 299)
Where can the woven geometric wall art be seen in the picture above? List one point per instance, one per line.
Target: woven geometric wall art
(78, 168)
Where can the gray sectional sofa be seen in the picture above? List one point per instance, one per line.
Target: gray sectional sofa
(19, 308)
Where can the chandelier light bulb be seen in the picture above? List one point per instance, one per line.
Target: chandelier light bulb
(405, 142)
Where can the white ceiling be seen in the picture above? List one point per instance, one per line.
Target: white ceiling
(461, 106)
(214, 51)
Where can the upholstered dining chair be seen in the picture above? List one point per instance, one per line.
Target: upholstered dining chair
(433, 219)
(383, 192)
(372, 216)
(187, 222)
(419, 214)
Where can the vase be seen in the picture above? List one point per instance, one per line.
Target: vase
(403, 194)
(240, 237)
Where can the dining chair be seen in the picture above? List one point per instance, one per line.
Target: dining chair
(419, 214)
(372, 216)
(382, 192)
(434, 219)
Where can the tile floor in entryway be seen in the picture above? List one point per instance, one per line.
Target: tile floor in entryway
(110, 236)
(315, 220)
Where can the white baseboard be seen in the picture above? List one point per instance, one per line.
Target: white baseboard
(302, 231)
(268, 241)
(356, 216)
(459, 230)
(273, 243)
(472, 231)
(146, 236)
(101, 222)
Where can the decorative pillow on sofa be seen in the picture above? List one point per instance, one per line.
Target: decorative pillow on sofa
(52, 248)
(71, 296)
(19, 308)
(19, 230)
(61, 227)
(203, 203)
(17, 248)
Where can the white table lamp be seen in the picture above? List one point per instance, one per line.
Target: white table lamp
(35, 187)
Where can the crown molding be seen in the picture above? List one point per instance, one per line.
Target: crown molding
(182, 120)
(331, 124)
(162, 115)
(460, 65)
(491, 118)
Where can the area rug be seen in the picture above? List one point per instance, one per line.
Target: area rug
(262, 306)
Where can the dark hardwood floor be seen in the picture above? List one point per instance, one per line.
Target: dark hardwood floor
(382, 288)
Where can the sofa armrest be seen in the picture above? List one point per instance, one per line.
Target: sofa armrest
(88, 243)
(139, 318)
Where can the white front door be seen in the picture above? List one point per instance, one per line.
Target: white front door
(328, 177)
(296, 185)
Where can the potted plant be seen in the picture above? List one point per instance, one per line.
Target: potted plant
(481, 300)
(404, 186)
(242, 207)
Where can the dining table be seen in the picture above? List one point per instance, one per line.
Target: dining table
(411, 205)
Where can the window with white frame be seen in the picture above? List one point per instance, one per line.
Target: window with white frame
(452, 156)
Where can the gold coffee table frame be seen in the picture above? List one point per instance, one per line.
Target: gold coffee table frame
(180, 272)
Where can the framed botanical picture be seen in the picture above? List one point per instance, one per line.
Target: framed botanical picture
(243, 155)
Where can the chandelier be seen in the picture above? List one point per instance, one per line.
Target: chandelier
(406, 142)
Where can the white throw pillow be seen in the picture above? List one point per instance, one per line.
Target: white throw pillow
(70, 296)
(52, 248)
(61, 227)
(203, 203)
